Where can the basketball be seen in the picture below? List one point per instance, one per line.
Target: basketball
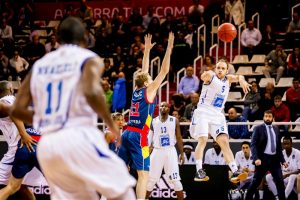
(227, 32)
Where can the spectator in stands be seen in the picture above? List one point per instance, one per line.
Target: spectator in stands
(237, 131)
(267, 98)
(251, 105)
(108, 93)
(181, 55)
(250, 39)
(119, 56)
(34, 50)
(168, 26)
(214, 156)
(52, 45)
(208, 64)
(4, 67)
(189, 109)
(104, 41)
(154, 28)
(293, 99)
(183, 128)
(6, 32)
(135, 19)
(245, 162)
(292, 157)
(234, 10)
(275, 63)
(90, 40)
(19, 64)
(6, 11)
(294, 25)
(24, 18)
(188, 84)
(293, 67)
(189, 154)
(177, 103)
(196, 13)
(69, 11)
(281, 113)
(119, 94)
(268, 39)
(108, 70)
(137, 43)
(120, 30)
(147, 18)
(105, 24)
(85, 12)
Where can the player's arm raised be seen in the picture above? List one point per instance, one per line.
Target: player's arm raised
(93, 91)
(165, 67)
(23, 100)
(179, 141)
(148, 47)
(241, 79)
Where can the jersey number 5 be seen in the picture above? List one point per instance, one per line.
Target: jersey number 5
(50, 92)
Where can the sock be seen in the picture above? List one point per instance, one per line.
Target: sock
(298, 196)
(261, 194)
(198, 164)
(233, 167)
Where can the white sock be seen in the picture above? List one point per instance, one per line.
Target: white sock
(261, 194)
(198, 164)
(298, 196)
(233, 167)
(290, 185)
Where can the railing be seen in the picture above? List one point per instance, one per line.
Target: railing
(134, 75)
(178, 77)
(217, 51)
(152, 64)
(167, 92)
(294, 7)
(230, 49)
(256, 15)
(195, 63)
(202, 27)
(214, 29)
(126, 112)
(239, 37)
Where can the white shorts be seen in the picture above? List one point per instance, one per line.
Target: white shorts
(167, 159)
(6, 165)
(207, 121)
(78, 164)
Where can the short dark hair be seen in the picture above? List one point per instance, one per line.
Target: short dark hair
(288, 138)
(71, 31)
(245, 142)
(268, 112)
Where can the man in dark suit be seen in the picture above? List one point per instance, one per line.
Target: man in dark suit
(267, 155)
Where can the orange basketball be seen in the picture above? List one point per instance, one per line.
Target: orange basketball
(227, 32)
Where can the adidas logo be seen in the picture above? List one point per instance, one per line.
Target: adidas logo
(164, 189)
(41, 189)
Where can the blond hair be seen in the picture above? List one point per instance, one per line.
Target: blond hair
(140, 79)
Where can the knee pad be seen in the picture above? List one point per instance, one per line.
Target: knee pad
(150, 184)
(177, 185)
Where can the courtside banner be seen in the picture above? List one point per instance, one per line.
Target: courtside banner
(55, 10)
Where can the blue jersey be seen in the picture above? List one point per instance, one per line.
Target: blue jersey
(141, 110)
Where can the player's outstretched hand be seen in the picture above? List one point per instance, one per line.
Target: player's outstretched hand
(246, 86)
(170, 40)
(28, 141)
(148, 44)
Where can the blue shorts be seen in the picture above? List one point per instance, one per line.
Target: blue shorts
(132, 152)
(24, 161)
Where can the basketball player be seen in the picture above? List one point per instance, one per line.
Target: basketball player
(208, 117)
(67, 97)
(292, 157)
(13, 130)
(134, 140)
(164, 134)
(118, 119)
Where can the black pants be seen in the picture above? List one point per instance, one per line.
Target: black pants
(272, 164)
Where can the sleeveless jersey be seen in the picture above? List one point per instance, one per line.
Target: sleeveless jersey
(214, 94)
(8, 128)
(57, 94)
(141, 110)
(164, 134)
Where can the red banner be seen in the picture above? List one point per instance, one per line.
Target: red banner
(55, 11)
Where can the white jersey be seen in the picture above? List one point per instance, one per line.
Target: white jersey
(214, 94)
(243, 162)
(56, 91)
(212, 158)
(293, 161)
(8, 128)
(164, 133)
